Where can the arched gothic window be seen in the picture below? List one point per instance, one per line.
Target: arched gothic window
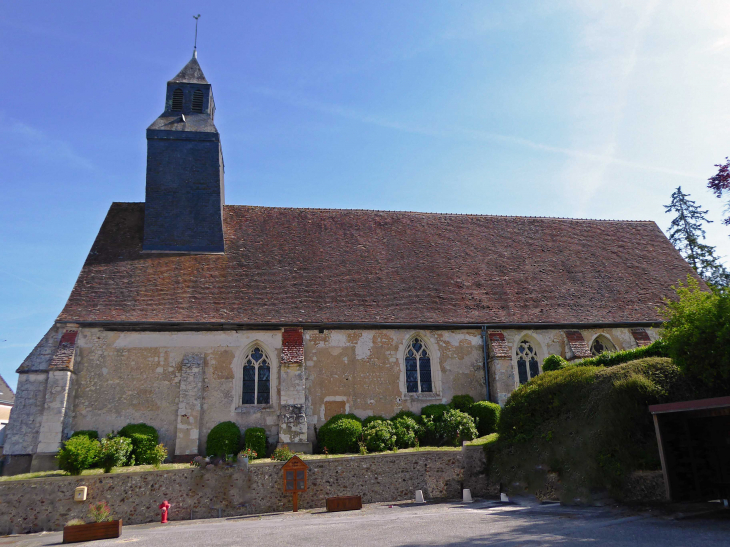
(602, 345)
(528, 365)
(418, 368)
(198, 101)
(177, 99)
(256, 378)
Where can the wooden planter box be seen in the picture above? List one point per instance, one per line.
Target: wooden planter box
(344, 503)
(90, 532)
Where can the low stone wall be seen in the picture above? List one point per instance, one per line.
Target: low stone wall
(47, 504)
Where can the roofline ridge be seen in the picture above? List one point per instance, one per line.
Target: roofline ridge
(425, 213)
(431, 213)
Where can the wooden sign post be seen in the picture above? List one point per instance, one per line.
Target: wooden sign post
(295, 479)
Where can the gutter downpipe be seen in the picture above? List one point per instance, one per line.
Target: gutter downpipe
(486, 360)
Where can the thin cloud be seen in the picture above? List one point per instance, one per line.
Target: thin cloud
(459, 132)
(33, 142)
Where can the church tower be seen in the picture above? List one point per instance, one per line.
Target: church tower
(185, 195)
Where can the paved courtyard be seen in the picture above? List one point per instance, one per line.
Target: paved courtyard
(450, 524)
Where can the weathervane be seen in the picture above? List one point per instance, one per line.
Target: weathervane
(195, 47)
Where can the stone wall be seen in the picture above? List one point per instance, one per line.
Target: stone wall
(47, 504)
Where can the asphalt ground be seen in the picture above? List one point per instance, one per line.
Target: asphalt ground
(450, 524)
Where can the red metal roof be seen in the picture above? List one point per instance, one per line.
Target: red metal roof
(699, 404)
(296, 266)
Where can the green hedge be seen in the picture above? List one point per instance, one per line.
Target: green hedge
(486, 416)
(223, 439)
(407, 414)
(114, 452)
(340, 434)
(612, 359)
(455, 427)
(90, 433)
(144, 439)
(588, 424)
(255, 439)
(553, 362)
(407, 431)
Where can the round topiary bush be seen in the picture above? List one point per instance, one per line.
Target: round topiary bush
(223, 439)
(406, 431)
(434, 411)
(255, 439)
(144, 439)
(379, 436)
(486, 416)
(553, 362)
(78, 453)
(370, 419)
(339, 435)
(454, 427)
(338, 417)
(461, 402)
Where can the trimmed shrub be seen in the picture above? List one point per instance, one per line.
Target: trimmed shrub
(407, 414)
(255, 439)
(455, 427)
(144, 439)
(223, 439)
(78, 453)
(338, 417)
(434, 411)
(612, 359)
(282, 454)
(697, 333)
(340, 435)
(406, 431)
(553, 362)
(114, 452)
(370, 419)
(461, 402)
(429, 435)
(588, 424)
(486, 416)
(90, 433)
(379, 436)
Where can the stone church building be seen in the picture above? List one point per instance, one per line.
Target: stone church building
(189, 312)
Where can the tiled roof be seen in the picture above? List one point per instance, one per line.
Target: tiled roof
(6, 394)
(577, 344)
(191, 73)
(292, 346)
(313, 266)
(63, 358)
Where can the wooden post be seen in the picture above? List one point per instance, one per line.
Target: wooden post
(295, 501)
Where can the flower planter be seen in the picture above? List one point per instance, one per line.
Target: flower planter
(90, 532)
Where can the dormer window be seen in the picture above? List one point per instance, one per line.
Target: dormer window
(198, 101)
(177, 99)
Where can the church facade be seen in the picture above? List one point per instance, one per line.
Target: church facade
(189, 312)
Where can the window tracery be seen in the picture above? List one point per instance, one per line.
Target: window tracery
(256, 378)
(418, 367)
(528, 364)
(601, 345)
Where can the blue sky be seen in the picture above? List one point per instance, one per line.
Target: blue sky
(585, 108)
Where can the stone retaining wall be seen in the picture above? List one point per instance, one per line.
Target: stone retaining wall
(47, 504)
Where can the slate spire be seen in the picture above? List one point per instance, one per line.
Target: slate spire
(185, 192)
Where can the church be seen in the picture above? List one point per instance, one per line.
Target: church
(189, 312)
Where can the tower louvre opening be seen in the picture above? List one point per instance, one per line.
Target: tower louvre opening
(198, 101)
(177, 99)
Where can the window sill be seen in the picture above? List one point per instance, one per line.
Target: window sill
(251, 409)
(422, 396)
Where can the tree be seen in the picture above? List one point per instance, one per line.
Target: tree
(686, 234)
(720, 183)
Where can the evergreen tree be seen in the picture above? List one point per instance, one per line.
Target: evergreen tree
(686, 234)
(720, 183)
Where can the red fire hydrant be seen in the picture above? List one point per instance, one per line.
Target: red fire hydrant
(164, 506)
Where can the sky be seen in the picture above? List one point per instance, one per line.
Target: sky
(588, 109)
